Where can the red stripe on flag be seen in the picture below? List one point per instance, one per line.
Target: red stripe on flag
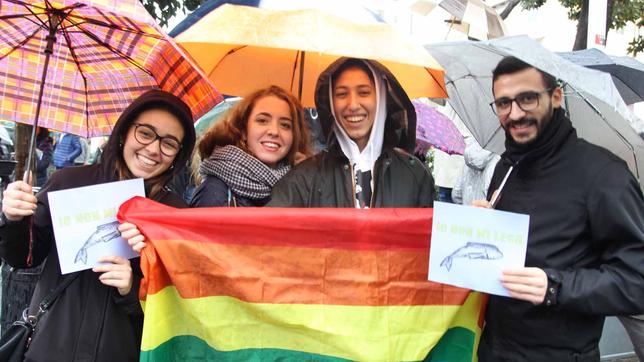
(350, 229)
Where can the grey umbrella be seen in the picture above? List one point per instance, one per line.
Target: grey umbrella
(591, 99)
(627, 72)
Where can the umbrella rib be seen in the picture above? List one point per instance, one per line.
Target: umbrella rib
(112, 49)
(15, 16)
(603, 118)
(231, 51)
(487, 141)
(113, 26)
(592, 106)
(35, 15)
(21, 44)
(66, 8)
(297, 57)
(72, 51)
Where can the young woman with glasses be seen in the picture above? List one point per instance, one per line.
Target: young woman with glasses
(251, 149)
(98, 317)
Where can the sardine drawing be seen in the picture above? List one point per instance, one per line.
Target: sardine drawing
(473, 250)
(103, 234)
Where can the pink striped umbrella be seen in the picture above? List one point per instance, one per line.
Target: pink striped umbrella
(73, 66)
(434, 129)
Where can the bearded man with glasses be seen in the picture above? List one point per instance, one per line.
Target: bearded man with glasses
(585, 256)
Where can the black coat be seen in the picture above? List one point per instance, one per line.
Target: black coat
(214, 192)
(327, 179)
(90, 321)
(586, 232)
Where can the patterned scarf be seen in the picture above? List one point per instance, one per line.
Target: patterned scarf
(244, 174)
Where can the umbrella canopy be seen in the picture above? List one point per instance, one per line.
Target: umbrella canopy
(627, 72)
(353, 11)
(213, 116)
(591, 99)
(435, 129)
(243, 48)
(480, 21)
(73, 66)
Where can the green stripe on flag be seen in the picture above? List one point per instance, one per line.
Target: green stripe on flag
(190, 348)
(454, 346)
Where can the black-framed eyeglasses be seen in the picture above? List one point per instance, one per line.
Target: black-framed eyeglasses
(527, 101)
(146, 135)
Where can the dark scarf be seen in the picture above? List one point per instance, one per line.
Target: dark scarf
(547, 142)
(244, 174)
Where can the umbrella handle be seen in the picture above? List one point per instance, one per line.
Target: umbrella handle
(28, 177)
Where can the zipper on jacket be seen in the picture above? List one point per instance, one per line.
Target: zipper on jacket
(373, 189)
(375, 173)
(353, 184)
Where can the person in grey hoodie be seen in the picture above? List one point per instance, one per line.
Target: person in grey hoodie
(476, 175)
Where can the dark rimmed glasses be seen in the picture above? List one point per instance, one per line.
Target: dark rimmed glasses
(527, 101)
(146, 135)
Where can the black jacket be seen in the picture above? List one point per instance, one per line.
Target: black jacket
(586, 232)
(214, 192)
(326, 179)
(90, 321)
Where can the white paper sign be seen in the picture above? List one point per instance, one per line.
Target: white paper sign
(85, 225)
(470, 246)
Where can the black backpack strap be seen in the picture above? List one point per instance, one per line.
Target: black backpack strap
(51, 297)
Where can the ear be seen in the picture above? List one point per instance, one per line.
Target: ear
(557, 97)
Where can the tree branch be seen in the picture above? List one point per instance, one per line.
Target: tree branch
(511, 4)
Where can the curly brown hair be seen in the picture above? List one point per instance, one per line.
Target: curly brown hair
(232, 129)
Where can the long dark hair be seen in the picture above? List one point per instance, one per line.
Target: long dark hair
(112, 157)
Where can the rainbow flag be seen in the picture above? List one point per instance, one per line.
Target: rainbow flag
(264, 284)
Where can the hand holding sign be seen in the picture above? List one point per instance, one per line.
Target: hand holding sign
(86, 231)
(471, 246)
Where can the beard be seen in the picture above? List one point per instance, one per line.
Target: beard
(528, 121)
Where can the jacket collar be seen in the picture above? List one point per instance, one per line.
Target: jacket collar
(548, 142)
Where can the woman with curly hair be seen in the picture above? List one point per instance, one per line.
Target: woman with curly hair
(257, 143)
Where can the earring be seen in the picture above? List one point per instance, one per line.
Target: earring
(172, 166)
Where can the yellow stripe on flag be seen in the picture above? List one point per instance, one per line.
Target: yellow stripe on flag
(352, 332)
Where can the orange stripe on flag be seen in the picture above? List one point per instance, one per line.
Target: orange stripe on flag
(253, 255)
(297, 275)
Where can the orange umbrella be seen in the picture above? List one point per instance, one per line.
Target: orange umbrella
(243, 48)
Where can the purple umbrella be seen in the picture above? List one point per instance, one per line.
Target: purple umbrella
(434, 129)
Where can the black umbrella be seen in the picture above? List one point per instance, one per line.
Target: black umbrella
(627, 73)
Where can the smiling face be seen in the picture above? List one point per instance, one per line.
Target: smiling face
(269, 131)
(147, 161)
(355, 104)
(525, 126)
